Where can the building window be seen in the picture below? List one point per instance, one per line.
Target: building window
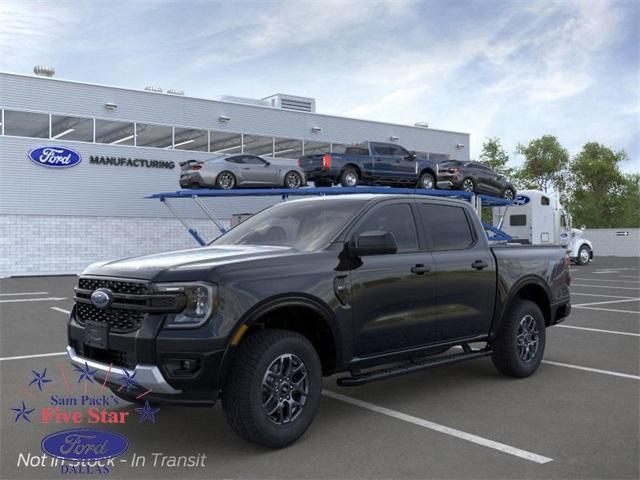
(258, 145)
(314, 148)
(114, 133)
(71, 128)
(225, 142)
(26, 124)
(157, 136)
(287, 148)
(190, 139)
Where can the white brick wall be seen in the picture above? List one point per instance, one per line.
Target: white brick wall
(606, 242)
(48, 245)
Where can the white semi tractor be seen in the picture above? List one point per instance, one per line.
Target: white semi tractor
(537, 218)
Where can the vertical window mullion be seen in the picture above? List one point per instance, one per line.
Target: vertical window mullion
(208, 141)
(94, 130)
(50, 132)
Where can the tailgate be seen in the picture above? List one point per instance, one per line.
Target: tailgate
(312, 163)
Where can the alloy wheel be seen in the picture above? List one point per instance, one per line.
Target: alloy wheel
(351, 179)
(293, 180)
(508, 194)
(285, 387)
(226, 181)
(427, 182)
(584, 255)
(527, 338)
(467, 185)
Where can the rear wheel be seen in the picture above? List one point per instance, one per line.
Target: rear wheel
(468, 185)
(349, 177)
(427, 181)
(518, 349)
(273, 388)
(293, 179)
(584, 255)
(226, 180)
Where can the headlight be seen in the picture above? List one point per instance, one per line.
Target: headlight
(199, 303)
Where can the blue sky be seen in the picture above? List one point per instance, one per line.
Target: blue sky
(515, 70)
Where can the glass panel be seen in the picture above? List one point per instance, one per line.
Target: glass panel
(225, 142)
(448, 226)
(314, 148)
(71, 128)
(258, 145)
(396, 219)
(26, 124)
(338, 147)
(157, 136)
(288, 148)
(190, 139)
(115, 133)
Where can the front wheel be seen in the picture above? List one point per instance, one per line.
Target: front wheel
(584, 255)
(518, 349)
(273, 388)
(427, 181)
(293, 179)
(509, 194)
(468, 185)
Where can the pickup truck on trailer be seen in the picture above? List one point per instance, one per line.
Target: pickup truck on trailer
(371, 163)
(372, 286)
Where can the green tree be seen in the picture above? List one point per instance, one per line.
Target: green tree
(545, 164)
(600, 195)
(494, 156)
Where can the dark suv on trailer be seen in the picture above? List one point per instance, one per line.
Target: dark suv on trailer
(474, 177)
(374, 286)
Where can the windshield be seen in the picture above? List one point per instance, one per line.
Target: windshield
(304, 225)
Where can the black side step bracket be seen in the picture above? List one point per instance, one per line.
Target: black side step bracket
(410, 367)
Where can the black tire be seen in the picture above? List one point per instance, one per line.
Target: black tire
(427, 181)
(584, 255)
(508, 194)
(292, 180)
(349, 177)
(244, 391)
(508, 355)
(225, 180)
(468, 185)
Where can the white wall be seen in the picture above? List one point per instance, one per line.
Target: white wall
(607, 242)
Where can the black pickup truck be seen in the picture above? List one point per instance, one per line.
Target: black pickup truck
(371, 163)
(371, 286)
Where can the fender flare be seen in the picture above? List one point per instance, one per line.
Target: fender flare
(515, 289)
(273, 303)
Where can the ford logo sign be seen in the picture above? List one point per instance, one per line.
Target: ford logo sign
(84, 444)
(55, 157)
(102, 298)
(521, 200)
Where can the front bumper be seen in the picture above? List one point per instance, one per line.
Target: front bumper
(146, 376)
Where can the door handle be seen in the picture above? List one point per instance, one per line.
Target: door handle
(479, 264)
(246, 168)
(420, 269)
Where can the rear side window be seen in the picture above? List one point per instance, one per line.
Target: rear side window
(518, 220)
(447, 226)
(356, 151)
(396, 219)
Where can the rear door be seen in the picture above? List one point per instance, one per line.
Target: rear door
(384, 160)
(466, 271)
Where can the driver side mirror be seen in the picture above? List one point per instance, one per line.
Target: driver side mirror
(412, 156)
(373, 242)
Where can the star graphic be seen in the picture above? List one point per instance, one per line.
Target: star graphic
(23, 412)
(129, 381)
(39, 379)
(85, 372)
(147, 413)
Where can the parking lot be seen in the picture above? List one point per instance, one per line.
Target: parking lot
(577, 417)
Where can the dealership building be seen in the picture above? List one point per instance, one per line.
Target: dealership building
(128, 145)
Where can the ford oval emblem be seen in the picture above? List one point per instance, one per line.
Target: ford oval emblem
(102, 298)
(55, 157)
(521, 200)
(84, 444)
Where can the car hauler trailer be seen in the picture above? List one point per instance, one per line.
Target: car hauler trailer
(478, 201)
(536, 218)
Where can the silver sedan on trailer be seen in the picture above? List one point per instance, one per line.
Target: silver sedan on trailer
(241, 170)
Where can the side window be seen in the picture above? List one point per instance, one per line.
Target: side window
(251, 160)
(447, 226)
(396, 219)
(399, 151)
(235, 159)
(544, 200)
(517, 220)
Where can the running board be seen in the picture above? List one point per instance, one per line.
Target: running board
(384, 373)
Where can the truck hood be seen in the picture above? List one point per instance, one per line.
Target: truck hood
(183, 265)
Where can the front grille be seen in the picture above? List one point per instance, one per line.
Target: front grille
(119, 320)
(116, 286)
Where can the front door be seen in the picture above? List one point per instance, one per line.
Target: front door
(466, 272)
(392, 295)
(257, 171)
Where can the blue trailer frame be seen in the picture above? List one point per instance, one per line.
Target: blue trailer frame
(478, 201)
